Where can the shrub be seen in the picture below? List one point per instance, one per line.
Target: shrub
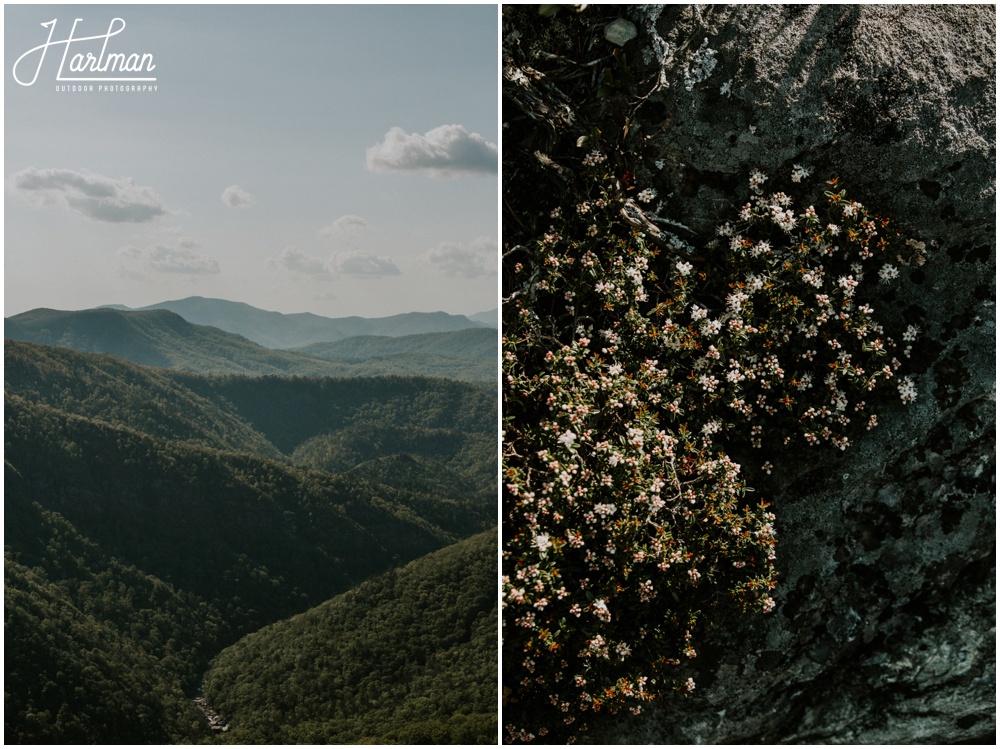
(634, 366)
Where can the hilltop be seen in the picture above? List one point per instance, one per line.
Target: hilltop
(279, 331)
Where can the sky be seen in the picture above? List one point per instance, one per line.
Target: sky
(340, 160)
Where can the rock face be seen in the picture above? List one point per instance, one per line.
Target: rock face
(899, 100)
(885, 625)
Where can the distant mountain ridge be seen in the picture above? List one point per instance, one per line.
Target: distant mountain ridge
(163, 338)
(490, 317)
(157, 338)
(278, 330)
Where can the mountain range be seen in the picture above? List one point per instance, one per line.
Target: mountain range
(172, 489)
(163, 338)
(279, 331)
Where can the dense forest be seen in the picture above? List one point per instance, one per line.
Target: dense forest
(406, 657)
(154, 517)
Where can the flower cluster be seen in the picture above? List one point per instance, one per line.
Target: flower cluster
(631, 367)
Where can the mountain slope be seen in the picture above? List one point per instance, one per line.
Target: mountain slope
(147, 399)
(325, 424)
(219, 524)
(164, 339)
(278, 330)
(470, 354)
(335, 425)
(472, 343)
(407, 657)
(158, 338)
(489, 317)
(53, 689)
(151, 518)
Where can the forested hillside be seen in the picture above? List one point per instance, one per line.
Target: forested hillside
(162, 338)
(328, 424)
(153, 517)
(406, 657)
(469, 355)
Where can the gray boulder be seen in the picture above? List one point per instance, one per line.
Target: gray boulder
(885, 625)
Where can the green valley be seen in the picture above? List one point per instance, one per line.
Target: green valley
(161, 524)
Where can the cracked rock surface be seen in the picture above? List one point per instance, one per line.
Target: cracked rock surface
(885, 625)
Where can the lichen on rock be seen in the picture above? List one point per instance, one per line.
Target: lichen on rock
(884, 628)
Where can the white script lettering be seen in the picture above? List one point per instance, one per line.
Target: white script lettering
(104, 62)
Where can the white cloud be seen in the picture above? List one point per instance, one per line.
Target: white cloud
(297, 261)
(471, 260)
(236, 197)
(178, 256)
(363, 264)
(91, 195)
(444, 152)
(345, 225)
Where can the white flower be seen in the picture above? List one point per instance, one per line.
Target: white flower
(784, 219)
(736, 300)
(684, 268)
(912, 331)
(848, 284)
(907, 390)
(888, 273)
(567, 438)
(542, 542)
(647, 196)
(757, 179)
(799, 173)
(813, 277)
(601, 610)
(711, 327)
(708, 383)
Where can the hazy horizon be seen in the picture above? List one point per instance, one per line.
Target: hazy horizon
(268, 167)
(128, 307)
